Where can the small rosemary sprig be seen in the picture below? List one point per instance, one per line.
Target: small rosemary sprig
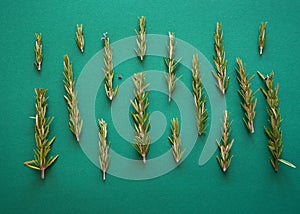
(171, 64)
(140, 116)
(249, 102)
(220, 61)
(38, 50)
(274, 131)
(108, 68)
(104, 146)
(175, 141)
(80, 38)
(224, 145)
(42, 128)
(75, 122)
(141, 38)
(262, 37)
(199, 98)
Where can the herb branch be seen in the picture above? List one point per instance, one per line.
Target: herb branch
(262, 37)
(199, 98)
(42, 128)
(141, 116)
(38, 50)
(274, 131)
(141, 38)
(104, 146)
(80, 38)
(175, 141)
(75, 123)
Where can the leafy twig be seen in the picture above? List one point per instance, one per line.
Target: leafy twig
(249, 102)
(140, 116)
(108, 69)
(274, 131)
(224, 145)
(141, 38)
(104, 146)
(38, 50)
(199, 98)
(262, 37)
(42, 128)
(80, 38)
(171, 64)
(175, 141)
(75, 122)
(220, 61)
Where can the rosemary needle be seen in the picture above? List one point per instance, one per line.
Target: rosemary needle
(175, 141)
(38, 50)
(141, 38)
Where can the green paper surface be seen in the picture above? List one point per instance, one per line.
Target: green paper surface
(74, 184)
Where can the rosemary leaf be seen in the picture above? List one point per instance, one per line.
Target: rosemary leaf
(224, 146)
(140, 115)
(104, 146)
(75, 123)
(249, 102)
(220, 61)
(175, 141)
(262, 37)
(42, 128)
(108, 69)
(38, 50)
(80, 38)
(141, 38)
(199, 98)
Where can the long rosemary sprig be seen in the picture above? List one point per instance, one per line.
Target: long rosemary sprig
(141, 38)
(262, 37)
(80, 38)
(108, 69)
(224, 145)
(175, 141)
(220, 61)
(75, 122)
(42, 128)
(274, 131)
(140, 116)
(104, 146)
(249, 102)
(38, 50)
(171, 64)
(199, 98)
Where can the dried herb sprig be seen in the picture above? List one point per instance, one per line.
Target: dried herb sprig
(141, 38)
(80, 38)
(249, 102)
(220, 61)
(171, 64)
(38, 50)
(75, 122)
(262, 37)
(108, 68)
(141, 116)
(175, 141)
(274, 131)
(199, 98)
(224, 145)
(104, 146)
(42, 128)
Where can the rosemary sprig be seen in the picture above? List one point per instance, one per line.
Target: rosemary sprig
(140, 116)
(80, 38)
(274, 131)
(224, 145)
(104, 146)
(108, 69)
(262, 37)
(75, 122)
(175, 141)
(141, 38)
(38, 50)
(171, 64)
(42, 128)
(199, 98)
(220, 61)
(249, 102)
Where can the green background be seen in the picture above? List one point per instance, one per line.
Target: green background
(73, 184)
